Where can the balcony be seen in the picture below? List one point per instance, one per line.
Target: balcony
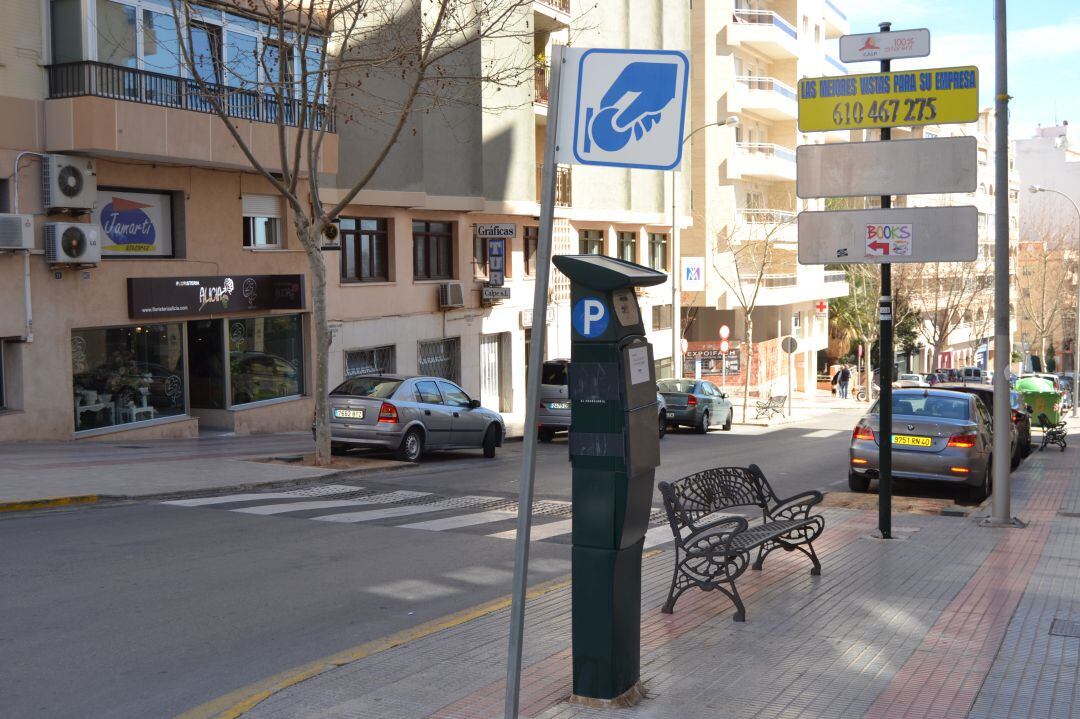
(768, 97)
(541, 84)
(97, 107)
(836, 22)
(765, 32)
(766, 217)
(834, 64)
(563, 186)
(765, 161)
(549, 15)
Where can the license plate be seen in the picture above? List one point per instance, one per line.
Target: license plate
(349, 413)
(558, 405)
(910, 441)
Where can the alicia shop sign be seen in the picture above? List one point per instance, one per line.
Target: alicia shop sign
(173, 296)
(134, 224)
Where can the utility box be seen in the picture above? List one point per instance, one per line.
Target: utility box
(614, 451)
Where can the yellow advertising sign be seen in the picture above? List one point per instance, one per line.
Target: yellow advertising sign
(889, 99)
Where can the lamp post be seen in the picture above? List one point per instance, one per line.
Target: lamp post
(676, 257)
(1035, 189)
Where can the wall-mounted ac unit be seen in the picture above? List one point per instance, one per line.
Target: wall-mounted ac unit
(71, 243)
(16, 232)
(451, 294)
(69, 183)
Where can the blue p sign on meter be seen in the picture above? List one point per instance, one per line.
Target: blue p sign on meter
(590, 317)
(629, 108)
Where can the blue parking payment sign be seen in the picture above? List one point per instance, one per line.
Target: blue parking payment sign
(630, 108)
(589, 317)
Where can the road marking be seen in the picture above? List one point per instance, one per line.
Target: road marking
(391, 512)
(658, 535)
(321, 490)
(540, 531)
(823, 433)
(388, 498)
(463, 520)
(21, 505)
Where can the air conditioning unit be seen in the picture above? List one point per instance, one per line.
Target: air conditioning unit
(16, 232)
(71, 243)
(69, 183)
(451, 294)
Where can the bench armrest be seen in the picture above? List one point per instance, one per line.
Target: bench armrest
(706, 540)
(795, 506)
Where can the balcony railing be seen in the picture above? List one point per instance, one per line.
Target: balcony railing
(785, 280)
(560, 5)
(563, 188)
(835, 277)
(835, 9)
(769, 85)
(766, 17)
(765, 148)
(98, 79)
(540, 79)
(836, 63)
(760, 217)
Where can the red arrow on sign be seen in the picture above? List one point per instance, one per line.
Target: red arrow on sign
(881, 248)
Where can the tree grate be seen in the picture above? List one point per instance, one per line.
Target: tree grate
(1065, 628)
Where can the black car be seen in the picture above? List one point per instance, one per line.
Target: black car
(1021, 417)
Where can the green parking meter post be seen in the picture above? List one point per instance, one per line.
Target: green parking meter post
(614, 451)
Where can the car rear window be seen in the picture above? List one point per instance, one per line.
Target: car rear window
(554, 373)
(929, 406)
(676, 385)
(378, 387)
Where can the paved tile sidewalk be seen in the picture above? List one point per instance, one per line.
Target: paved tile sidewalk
(949, 620)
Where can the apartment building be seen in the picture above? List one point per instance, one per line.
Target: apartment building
(408, 297)
(748, 56)
(196, 313)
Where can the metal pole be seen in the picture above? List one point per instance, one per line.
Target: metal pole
(1001, 513)
(536, 358)
(674, 274)
(885, 360)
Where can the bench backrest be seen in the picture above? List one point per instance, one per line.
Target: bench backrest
(778, 401)
(689, 499)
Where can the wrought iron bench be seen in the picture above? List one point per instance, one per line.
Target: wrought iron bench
(773, 406)
(1052, 433)
(711, 550)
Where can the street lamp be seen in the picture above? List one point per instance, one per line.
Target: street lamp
(1035, 189)
(676, 256)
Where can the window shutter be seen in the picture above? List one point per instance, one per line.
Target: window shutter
(262, 206)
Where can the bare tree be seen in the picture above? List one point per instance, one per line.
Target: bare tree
(379, 62)
(1044, 278)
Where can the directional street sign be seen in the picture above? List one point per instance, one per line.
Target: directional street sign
(627, 108)
(889, 99)
(909, 234)
(892, 45)
(904, 167)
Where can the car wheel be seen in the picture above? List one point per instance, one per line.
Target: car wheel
(981, 492)
(412, 446)
(1015, 461)
(545, 434)
(491, 439)
(1027, 449)
(857, 482)
(703, 425)
(662, 420)
(727, 422)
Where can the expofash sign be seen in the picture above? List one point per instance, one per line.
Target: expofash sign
(134, 224)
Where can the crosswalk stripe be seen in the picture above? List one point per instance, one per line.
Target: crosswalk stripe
(462, 520)
(541, 531)
(391, 512)
(823, 433)
(388, 498)
(318, 491)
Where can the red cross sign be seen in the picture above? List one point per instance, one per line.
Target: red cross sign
(822, 307)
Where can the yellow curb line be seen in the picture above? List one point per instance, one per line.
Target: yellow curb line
(23, 505)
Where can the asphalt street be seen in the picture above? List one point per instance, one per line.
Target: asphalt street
(149, 609)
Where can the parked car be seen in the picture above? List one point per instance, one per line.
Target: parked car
(410, 415)
(974, 374)
(938, 436)
(554, 411)
(257, 376)
(695, 403)
(909, 380)
(1021, 417)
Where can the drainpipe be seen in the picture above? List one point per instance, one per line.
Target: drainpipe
(28, 320)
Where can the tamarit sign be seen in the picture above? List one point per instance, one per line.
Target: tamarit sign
(134, 224)
(213, 295)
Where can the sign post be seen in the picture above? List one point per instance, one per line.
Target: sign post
(789, 345)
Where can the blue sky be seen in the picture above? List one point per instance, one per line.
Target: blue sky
(1044, 49)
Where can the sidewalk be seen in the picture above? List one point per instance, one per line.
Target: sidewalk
(948, 620)
(804, 405)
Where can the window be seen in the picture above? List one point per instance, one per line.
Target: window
(441, 358)
(374, 360)
(127, 374)
(627, 242)
(453, 395)
(433, 244)
(661, 317)
(364, 249)
(796, 324)
(531, 239)
(591, 242)
(428, 393)
(262, 221)
(662, 368)
(658, 251)
(266, 357)
(117, 43)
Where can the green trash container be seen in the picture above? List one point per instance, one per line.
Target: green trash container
(1040, 395)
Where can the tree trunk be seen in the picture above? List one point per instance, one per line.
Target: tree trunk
(322, 343)
(748, 333)
(868, 376)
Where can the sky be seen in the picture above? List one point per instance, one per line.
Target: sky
(1043, 49)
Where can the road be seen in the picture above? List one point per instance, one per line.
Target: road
(149, 608)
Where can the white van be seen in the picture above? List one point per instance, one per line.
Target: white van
(974, 375)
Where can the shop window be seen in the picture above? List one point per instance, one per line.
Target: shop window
(441, 358)
(627, 246)
(373, 360)
(266, 358)
(591, 242)
(661, 317)
(123, 375)
(433, 244)
(365, 249)
(662, 368)
(531, 239)
(262, 221)
(658, 251)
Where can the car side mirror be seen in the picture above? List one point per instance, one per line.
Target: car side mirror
(474, 403)
(723, 396)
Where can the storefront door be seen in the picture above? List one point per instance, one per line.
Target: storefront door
(206, 356)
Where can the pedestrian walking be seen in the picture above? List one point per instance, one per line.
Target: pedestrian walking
(835, 380)
(844, 379)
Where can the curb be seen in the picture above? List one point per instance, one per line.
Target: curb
(26, 505)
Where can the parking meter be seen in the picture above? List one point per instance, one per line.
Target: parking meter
(614, 451)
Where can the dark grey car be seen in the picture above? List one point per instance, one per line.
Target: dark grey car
(695, 403)
(410, 415)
